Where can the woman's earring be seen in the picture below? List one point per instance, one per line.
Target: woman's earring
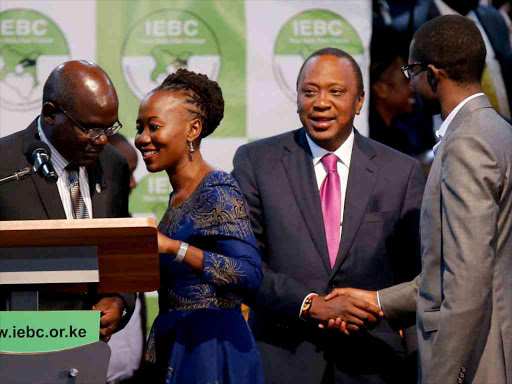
(191, 147)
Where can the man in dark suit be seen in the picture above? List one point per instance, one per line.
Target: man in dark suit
(306, 190)
(79, 110)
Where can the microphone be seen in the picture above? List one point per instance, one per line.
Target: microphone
(39, 156)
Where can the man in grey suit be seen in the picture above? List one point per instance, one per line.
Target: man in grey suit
(464, 300)
(373, 241)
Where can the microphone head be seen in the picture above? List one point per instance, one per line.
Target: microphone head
(38, 153)
(37, 146)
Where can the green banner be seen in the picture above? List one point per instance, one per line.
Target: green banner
(46, 331)
(140, 43)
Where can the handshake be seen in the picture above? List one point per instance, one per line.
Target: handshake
(345, 309)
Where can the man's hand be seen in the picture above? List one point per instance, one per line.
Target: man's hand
(370, 297)
(354, 312)
(111, 312)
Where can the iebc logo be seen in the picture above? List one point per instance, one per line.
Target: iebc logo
(306, 33)
(31, 46)
(164, 41)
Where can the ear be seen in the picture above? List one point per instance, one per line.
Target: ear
(195, 129)
(433, 76)
(48, 112)
(360, 102)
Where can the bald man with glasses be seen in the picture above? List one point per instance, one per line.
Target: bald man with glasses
(79, 111)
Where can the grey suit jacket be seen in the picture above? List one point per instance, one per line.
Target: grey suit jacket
(34, 199)
(379, 247)
(464, 303)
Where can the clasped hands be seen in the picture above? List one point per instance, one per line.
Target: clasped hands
(346, 309)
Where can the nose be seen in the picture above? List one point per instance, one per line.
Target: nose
(322, 101)
(142, 139)
(101, 139)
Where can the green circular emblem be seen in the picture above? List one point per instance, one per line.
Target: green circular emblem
(164, 41)
(306, 33)
(31, 46)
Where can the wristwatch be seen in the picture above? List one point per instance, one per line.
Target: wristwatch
(306, 306)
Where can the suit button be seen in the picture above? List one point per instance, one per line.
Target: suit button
(459, 380)
(461, 375)
(463, 369)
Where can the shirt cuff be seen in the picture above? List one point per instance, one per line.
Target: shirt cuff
(311, 295)
(378, 300)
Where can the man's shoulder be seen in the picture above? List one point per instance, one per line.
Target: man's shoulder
(12, 139)
(386, 155)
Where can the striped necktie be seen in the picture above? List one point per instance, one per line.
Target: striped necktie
(79, 208)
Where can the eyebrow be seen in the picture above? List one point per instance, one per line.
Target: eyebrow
(328, 85)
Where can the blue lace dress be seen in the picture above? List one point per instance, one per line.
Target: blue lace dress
(200, 335)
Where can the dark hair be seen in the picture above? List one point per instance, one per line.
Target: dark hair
(383, 54)
(342, 55)
(202, 92)
(452, 43)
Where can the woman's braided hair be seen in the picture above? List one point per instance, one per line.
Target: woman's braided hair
(202, 92)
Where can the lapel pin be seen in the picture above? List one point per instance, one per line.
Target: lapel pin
(98, 188)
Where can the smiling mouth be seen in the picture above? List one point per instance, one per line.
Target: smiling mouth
(146, 154)
(321, 122)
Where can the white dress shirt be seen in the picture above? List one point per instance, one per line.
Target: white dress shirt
(442, 129)
(344, 154)
(60, 164)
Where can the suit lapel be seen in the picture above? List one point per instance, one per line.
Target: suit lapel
(361, 181)
(298, 164)
(97, 188)
(48, 193)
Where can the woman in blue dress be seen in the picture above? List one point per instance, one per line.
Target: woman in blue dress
(208, 255)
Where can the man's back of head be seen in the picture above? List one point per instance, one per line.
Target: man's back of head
(452, 43)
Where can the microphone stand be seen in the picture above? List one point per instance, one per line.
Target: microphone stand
(21, 174)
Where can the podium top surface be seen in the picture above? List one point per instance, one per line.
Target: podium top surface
(127, 247)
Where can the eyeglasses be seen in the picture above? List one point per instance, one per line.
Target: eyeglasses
(93, 133)
(407, 69)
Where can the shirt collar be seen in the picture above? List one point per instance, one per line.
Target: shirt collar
(58, 162)
(344, 152)
(444, 126)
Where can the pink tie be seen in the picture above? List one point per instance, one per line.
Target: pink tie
(330, 197)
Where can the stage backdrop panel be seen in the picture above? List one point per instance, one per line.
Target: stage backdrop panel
(35, 37)
(254, 49)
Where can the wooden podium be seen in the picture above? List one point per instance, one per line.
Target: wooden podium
(95, 255)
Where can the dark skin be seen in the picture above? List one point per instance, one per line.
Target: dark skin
(392, 94)
(446, 95)
(328, 99)
(94, 104)
(164, 128)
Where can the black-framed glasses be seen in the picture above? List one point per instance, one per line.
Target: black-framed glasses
(408, 72)
(93, 133)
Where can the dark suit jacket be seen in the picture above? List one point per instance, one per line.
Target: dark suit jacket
(379, 247)
(33, 198)
(492, 22)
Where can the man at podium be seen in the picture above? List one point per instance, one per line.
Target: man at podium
(79, 111)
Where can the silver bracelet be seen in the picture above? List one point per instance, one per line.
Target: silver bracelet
(181, 252)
